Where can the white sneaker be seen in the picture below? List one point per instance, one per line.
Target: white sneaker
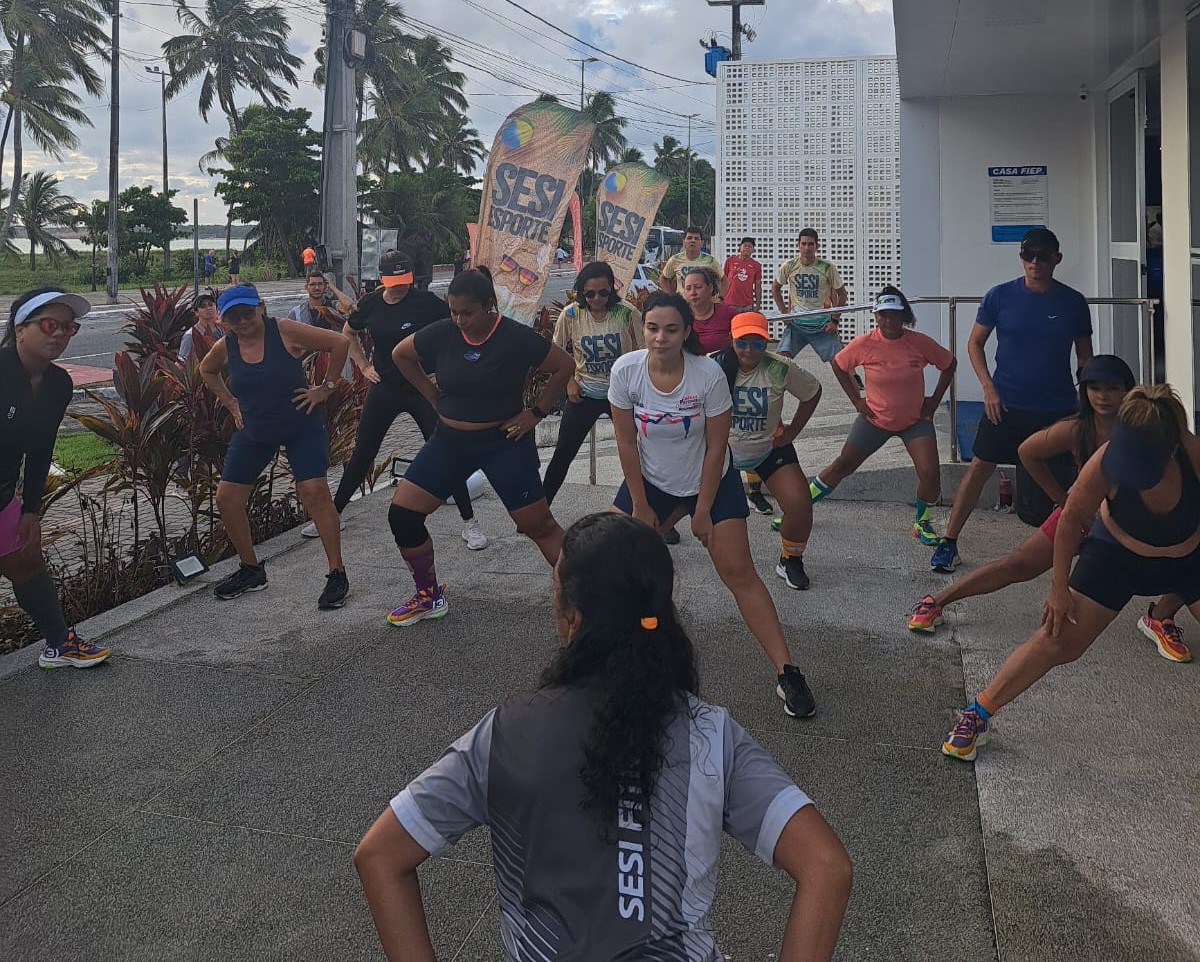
(310, 530)
(473, 535)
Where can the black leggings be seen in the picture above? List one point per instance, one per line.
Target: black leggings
(383, 403)
(577, 419)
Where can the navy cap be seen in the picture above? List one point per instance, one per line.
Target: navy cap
(240, 294)
(1040, 239)
(1107, 369)
(1132, 460)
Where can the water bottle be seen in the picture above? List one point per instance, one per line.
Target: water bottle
(1005, 503)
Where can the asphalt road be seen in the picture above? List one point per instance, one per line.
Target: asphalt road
(100, 337)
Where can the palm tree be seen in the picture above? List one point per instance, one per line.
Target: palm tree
(608, 139)
(671, 157)
(631, 155)
(43, 207)
(93, 220)
(388, 48)
(61, 35)
(458, 147)
(234, 44)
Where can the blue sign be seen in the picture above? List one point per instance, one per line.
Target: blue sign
(1011, 233)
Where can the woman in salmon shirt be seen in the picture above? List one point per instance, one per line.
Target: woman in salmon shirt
(893, 358)
(713, 318)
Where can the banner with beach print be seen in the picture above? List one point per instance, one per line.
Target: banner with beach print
(538, 155)
(626, 205)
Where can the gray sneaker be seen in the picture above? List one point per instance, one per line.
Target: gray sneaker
(310, 529)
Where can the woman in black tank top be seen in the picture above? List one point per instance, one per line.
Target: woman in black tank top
(1143, 485)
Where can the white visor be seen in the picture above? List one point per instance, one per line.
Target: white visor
(888, 302)
(78, 305)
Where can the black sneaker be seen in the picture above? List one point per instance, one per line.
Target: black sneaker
(671, 536)
(246, 578)
(337, 589)
(760, 503)
(792, 571)
(797, 698)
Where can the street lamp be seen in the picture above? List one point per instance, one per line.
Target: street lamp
(691, 117)
(583, 62)
(162, 76)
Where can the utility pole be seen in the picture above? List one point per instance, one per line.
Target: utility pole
(339, 187)
(689, 153)
(738, 30)
(162, 76)
(583, 62)
(114, 141)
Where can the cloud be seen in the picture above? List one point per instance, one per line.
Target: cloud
(507, 57)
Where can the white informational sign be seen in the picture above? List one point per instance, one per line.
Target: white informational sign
(1020, 200)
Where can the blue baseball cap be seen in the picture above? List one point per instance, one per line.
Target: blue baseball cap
(239, 294)
(1131, 460)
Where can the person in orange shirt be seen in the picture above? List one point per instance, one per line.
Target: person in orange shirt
(893, 358)
(309, 257)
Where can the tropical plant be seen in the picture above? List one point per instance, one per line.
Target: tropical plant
(457, 147)
(430, 209)
(42, 208)
(608, 138)
(671, 157)
(631, 155)
(231, 44)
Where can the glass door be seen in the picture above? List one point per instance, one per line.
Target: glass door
(1127, 219)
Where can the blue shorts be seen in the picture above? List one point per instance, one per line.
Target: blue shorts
(794, 338)
(730, 501)
(450, 456)
(307, 453)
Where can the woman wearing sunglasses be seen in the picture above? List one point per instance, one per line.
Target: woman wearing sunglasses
(34, 394)
(596, 330)
(893, 358)
(758, 438)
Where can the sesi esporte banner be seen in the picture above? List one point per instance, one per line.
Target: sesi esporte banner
(626, 203)
(535, 161)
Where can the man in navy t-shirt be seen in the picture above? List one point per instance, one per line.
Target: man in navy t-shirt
(1037, 321)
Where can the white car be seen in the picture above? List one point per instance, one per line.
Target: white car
(645, 279)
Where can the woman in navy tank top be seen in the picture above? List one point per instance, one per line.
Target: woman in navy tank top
(273, 406)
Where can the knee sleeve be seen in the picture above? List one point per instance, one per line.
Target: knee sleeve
(408, 527)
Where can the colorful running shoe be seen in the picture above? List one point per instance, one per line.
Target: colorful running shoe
(926, 615)
(945, 556)
(1166, 635)
(73, 653)
(817, 489)
(798, 700)
(968, 733)
(923, 531)
(776, 524)
(424, 604)
(760, 503)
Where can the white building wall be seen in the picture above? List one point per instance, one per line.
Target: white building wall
(812, 143)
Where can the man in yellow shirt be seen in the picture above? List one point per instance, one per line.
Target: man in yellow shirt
(691, 258)
(812, 283)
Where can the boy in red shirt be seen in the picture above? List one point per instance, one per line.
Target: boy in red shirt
(743, 277)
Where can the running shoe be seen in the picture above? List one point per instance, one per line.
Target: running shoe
(797, 697)
(1166, 635)
(473, 535)
(760, 503)
(310, 529)
(968, 733)
(337, 589)
(424, 604)
(246, 578)
(792, 571)
(73, 653)
(945, 556)
(671, 536)
(926, 615)
(923, 532)
(776, 524)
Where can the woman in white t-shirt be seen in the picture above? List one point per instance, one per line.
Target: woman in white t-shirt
(607, 790)
(759, 441)
(671, 414)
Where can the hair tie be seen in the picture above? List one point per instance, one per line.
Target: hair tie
(650, 623)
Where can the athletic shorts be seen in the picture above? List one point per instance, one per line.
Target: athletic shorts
(307, 454)
(1049, 527)
(998, 443)
(10, 516)
(450, 456)
(871, 437)
(1110, 574)
(730, 500)
(776, 458)
(825, 344)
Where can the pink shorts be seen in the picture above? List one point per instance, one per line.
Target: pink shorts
(1050, 526)
(9, 517)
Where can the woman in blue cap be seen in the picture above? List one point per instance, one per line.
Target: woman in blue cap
(1138, 500)
(273, 406)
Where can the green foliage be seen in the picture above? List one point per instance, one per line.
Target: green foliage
(430, 208)
(671, 158)
(272, 179)
(79, 452)
(147, 220)
(42, 208)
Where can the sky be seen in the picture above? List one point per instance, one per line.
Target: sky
(487, 37)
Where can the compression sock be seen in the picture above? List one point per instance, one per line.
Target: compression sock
(817, 489)
(922, 510)
(39, 598)
(423, 572)
(980, 706)
(793, 549)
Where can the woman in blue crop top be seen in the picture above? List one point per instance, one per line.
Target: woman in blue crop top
(1142, 488)
(273, 406)
(481, 360)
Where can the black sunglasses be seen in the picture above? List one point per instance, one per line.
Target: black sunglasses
(590, 295)
(1038, 257)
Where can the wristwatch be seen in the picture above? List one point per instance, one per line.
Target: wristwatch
(329, 385)
(537, 412)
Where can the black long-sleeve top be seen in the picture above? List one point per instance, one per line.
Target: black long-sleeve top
(28, 426)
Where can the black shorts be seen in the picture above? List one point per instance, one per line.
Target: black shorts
(307, 453)
(729, 502)
(998, 443)
(779, 457)
(450, 456)
(1110, 574)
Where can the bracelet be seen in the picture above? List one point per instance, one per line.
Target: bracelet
(537, 412)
